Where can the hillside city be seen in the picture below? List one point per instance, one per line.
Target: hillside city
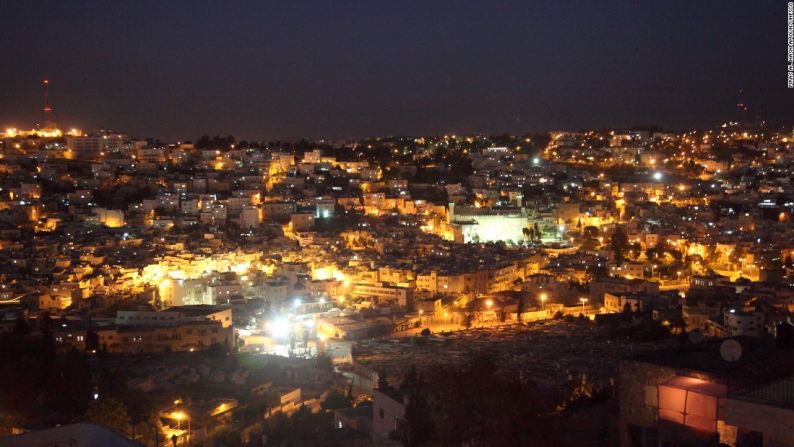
(637, 284)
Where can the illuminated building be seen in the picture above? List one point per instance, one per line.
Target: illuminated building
(110, 218)
(386, 294)
(47, 132)
(91, 147)
(489, 224)
(325, 207)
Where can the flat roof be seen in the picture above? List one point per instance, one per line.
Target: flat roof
(761, 361)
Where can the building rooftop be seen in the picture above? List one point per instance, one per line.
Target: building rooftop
(761, 361)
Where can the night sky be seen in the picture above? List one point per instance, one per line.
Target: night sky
(328, 69)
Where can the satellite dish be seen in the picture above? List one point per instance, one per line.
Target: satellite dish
(695, 337)
(730, 350)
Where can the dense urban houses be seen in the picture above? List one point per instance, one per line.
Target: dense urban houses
(246, 286)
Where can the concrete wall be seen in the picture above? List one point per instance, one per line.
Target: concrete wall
(386, 411)
(637, 394)
(495, 228)
(776, 423)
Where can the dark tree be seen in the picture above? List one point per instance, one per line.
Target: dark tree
(419, 428)
(337, 399)
(110, 413)
(91, 340)
(21, 327)
(619, 243)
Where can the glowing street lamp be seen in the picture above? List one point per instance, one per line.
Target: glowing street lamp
(179, 416)
(543, 299)
(583, 301)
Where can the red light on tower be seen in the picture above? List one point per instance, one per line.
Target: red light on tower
(47, 107)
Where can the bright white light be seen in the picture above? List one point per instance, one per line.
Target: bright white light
(296, 302)
(657, 175)
(279, 328)
(322, 300)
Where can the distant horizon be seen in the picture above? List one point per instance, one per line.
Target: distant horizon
(144, 136)
(285, 71)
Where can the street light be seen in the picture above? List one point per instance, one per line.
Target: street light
(543, 299)
(583, 301)
(489, 303)
(179, 415)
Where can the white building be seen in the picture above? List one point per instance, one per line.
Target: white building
(325, 207)
(738, 323)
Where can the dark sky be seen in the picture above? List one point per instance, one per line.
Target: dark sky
(288, 69)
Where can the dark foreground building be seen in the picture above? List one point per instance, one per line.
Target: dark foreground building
(696, 396)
